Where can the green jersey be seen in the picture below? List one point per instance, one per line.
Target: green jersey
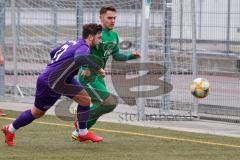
(94, 84)
(110, 46)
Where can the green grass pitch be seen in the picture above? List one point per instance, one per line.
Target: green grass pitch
(52, 140)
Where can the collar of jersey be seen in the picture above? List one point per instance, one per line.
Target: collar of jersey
(107, 30)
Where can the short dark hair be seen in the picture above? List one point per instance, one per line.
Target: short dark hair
(104, 9)
(91, 28)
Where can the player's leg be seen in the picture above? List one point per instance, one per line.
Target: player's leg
(101, 99)
(98, 109)
(103, 102)
(44, 99)
(83, 108)
(85, 83)
(22, 120)
(2, 113)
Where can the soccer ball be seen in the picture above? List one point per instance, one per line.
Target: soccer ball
(200, 87)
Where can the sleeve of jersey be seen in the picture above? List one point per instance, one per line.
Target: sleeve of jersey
(121, 56)
(83, 57)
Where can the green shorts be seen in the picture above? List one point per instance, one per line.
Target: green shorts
(95, 86)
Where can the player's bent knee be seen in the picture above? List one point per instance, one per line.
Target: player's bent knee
(109, 101)
(83, 100)
(112, 107)
(37, 113)
(109, 108)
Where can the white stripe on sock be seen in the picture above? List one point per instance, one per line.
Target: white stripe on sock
(83, 132)
(11, 129)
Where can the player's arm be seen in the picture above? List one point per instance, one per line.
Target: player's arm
(83, 57)
(1, 55)
(124, 56)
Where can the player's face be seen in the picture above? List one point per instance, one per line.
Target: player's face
(97, 39)
(108, 19)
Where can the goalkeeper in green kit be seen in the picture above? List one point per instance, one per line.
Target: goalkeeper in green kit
(103, 101)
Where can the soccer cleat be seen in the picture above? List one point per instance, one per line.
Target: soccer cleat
(75, 132)
(8, 136)
(90, 137)
(2, 114)
(75, 135)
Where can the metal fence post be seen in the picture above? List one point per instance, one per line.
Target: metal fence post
(167, 51)
(136, 24)
(94, 13)
(200, 19)
(2, 28)
(181, 25)
(144, 51)
(55, 25)
(228, 26)
(194, 48)
(14, 42)
(79, 15)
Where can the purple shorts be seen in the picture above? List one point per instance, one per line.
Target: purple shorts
(45, 97)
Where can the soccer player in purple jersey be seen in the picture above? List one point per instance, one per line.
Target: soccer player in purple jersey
(58, 79)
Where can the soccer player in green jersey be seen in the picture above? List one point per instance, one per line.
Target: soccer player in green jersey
(103, 101)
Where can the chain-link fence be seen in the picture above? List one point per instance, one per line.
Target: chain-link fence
(207, 48)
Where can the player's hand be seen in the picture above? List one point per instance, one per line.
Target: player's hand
(136, 54)
(86, 73)
(1, 60)
(102, 72)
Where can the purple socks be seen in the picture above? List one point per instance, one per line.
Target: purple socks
(82, 116)
(24, 119)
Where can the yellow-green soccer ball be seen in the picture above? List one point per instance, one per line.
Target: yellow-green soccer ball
(200, 87)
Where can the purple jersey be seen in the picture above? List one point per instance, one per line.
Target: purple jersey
(63, 53)
(58, 77)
